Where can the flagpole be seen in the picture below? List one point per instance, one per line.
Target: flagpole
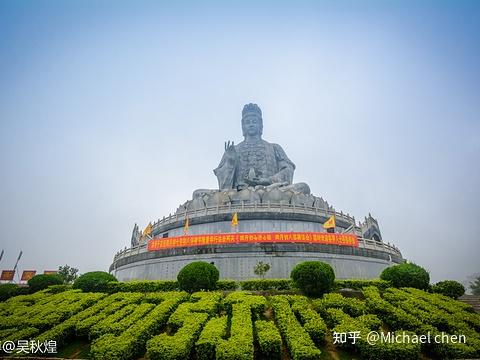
(16, 264)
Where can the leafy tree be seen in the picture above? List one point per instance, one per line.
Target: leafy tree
(407, 275)
(449, 288)
(198, 275)
(67, 273)
(94, 281)
(261, 268)
(42, 281)
(475, 286)
(313, 278)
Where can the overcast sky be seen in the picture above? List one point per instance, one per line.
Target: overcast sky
(112, 113)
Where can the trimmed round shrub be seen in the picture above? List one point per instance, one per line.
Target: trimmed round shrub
(198, 275)
(313, 278)
(449, 288)
(10, 290)
(407, 275)
(41, 281)
(95, 281)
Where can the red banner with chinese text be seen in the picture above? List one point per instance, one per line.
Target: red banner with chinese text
(243, 238)
(28, 274)
(7, 275)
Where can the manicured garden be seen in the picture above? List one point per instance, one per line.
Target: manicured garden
(273, 319)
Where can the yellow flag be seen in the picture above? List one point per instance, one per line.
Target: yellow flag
(235, 220)
(148, 230)
(330, 223)
(185, 228)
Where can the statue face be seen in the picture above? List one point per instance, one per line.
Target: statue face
(252, 125)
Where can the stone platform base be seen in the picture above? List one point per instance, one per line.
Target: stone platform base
(237, 262)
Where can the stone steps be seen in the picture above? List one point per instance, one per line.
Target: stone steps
(472, 300)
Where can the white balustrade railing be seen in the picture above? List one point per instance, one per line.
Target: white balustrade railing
(248, 208)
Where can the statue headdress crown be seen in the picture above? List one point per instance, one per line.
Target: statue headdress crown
(251, 109)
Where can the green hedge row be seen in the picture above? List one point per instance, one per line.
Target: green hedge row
(55, 313)
(312, 322)
(227, 285)
(145, 286)
(356, 284)
(299, 343)
(8, 291)
(212, 333)
(18, 334)
(419, 311)
(230, 285)
(142, 286)
(256, 303)
(61, 333)
(189, 319)
(51, 311)
(104, 326)
(352, 306)
(115, 302)
(240, 344)
(439, 319)
(456, 308)
(266, 284)
(268, 339)
(180, 345)
(344, 323)
(120, 320)
(131, 343)
(206, 302)
(393, 316)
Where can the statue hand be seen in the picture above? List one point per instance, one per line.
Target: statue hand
(230, 152)
(230, 147)
(258, 181)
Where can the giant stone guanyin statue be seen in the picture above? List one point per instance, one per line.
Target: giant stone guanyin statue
(254, 161)
(253, 171)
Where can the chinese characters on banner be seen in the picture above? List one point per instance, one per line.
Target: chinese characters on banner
(28, 274)
(7, 275)
(242, 238)
(49, 272)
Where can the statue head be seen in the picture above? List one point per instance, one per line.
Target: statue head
(252, 123)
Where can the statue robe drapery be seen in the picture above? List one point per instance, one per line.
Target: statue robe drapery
(267, 160)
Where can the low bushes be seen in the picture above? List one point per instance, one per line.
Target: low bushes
(180, 345)
(407, 275)
(41, 281)
(351, 306)
(142, 286)
(113, 305)
(268, 339)
(198, 275)
(95, 281)
(356, 284)
(266, 284)
(449, 288)
(313, 278)
(227, 285)
(311, 321)
(299, 342)
(10, 290)
(212, 333)
(188, 321)
(131, 343)
(240, 344)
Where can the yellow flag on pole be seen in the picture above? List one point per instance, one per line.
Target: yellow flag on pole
(185, 228)
(148, 230)
(330, 223)
(235, 220)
